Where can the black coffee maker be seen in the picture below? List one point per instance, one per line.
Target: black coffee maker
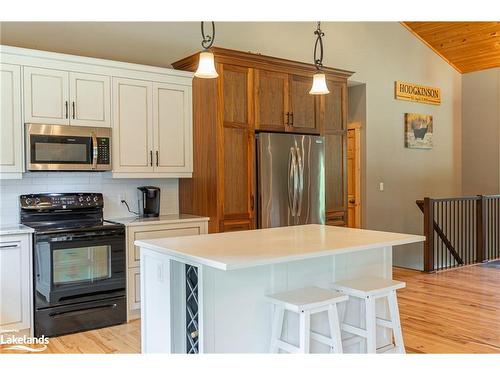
(149, 201)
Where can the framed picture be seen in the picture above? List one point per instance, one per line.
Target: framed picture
(418, 131)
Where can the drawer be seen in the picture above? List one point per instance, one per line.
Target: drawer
(134, 288)
(156, 231)
(236, 225)
(336, 218)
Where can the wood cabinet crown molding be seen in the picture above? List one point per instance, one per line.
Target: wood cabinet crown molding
(258, 61)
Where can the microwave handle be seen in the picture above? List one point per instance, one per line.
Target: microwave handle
(94, 151)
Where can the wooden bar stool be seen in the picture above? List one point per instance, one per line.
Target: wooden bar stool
(370, 289)
(306, 301)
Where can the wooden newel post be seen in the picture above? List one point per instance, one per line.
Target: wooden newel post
(429, 235)
(481, 229)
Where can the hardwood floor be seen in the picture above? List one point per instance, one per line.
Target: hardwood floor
(455, 311)
(125, 338)
(450, 312)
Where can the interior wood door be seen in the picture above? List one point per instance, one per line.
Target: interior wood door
(90, 99)
(353, 177)
(11, 126)
(303, 117)
(172, 127)
(132, 125)
(46, 96)
(271, 100)
(238, 137)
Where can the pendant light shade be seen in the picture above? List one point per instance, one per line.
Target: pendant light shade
(319, 78)
(319, 84)
(206, 64)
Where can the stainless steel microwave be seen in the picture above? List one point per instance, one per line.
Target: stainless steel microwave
(67, 148)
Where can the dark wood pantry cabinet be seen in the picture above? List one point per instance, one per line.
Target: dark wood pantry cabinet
(258, 93)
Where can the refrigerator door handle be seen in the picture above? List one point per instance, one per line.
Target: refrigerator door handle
(295, 183)
(300, 178)
(291, 180)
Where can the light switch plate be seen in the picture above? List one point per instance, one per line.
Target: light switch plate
(381, 186)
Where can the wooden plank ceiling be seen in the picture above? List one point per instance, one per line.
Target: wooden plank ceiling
(467, 46)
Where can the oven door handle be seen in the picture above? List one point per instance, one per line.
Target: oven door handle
(94, 150)
(70, 237)
(63, 314)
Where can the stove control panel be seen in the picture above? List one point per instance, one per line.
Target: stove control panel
(61, 201)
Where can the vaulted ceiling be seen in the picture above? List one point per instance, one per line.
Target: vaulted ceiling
(467, 46)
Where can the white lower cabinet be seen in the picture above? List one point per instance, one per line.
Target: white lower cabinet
(15, 283)
(134, 289)
(147, 232)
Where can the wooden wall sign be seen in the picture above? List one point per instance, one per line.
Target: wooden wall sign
(418, 93)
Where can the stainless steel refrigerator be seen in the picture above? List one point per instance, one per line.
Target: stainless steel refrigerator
(290, 179)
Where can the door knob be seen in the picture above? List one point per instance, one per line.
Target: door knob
(352, 201)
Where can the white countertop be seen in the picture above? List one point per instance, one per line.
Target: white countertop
(15, 229)
(236, 250)
(162, 219)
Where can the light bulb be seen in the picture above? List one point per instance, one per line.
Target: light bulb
(319, 84)
(206, 66)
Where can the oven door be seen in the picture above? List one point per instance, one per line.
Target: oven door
(79, 266)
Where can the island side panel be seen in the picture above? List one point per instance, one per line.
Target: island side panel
(163, 304)
(237, 317)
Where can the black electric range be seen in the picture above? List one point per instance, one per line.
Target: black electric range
(78, 263)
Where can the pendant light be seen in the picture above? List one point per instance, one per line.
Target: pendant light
(319, 79)
(206, 64)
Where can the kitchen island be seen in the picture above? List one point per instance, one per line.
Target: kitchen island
(206, 293)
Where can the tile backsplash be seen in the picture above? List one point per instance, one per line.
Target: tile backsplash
(69, 182)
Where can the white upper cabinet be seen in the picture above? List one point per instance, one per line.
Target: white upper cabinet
(172, 128)
(46, 96)
(132, 126)
(149, 109)
(152, 129)
(89, 99)
(11, 126)
(66, 98)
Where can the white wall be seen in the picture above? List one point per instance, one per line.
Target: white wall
(481, 132)
(379, 52)
(68, 182)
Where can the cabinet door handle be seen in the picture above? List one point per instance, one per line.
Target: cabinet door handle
(252, 202)
(291, 118)
(157, 158)
(9, 246)
(287, 118)
(151, 157)
(73, 105)
(66, 106)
